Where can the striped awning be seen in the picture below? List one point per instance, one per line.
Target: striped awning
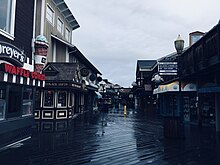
(16, 79)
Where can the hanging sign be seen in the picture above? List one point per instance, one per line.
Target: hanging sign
(167, 68)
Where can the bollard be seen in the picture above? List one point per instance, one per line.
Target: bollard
(125, 110)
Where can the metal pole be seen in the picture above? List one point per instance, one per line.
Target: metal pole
(180, 104)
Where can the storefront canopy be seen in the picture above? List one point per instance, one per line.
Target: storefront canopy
(174, 87)
(214, 89)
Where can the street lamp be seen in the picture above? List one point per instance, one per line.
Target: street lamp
(179, 45)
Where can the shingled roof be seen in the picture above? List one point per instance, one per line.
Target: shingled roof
(61, 71)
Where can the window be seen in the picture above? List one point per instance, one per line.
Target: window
(48, 98)
(71, 99)
(50, 15)
(2, 103)
(82, 99)
(38, 98)
(27, 106)
(60, 25)
(14, 96)
(61, 99)
(7, 18)
(67, 34)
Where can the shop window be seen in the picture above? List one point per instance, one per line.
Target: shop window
(50, 15)
(2, 103)
(7, 18)
(61, 99)
(82, 99)
(71, 99)
(38, 99)
(27, 106)
(48, 98)
(14, 100)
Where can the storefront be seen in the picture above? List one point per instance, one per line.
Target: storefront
(63, 95)
(168, 100)
(17, 92)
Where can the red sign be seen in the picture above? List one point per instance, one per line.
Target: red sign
(22, 72)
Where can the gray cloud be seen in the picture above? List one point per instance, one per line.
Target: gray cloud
(114, 34)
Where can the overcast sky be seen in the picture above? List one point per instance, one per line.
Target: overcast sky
(114, 34)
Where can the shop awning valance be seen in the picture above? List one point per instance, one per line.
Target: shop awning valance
(174, 87)
(214, 89)
(20, 80)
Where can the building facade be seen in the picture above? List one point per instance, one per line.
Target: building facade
(70, 77)
(18, 80)
(143, 88)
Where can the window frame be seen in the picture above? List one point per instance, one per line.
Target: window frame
(71, 102)
(66, 97)
(50, 19)
(10, 34)
(67, 35)
(59, 20)
(53, 99)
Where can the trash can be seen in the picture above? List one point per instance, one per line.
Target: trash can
(172, 127)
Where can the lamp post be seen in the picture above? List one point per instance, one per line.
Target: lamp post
(179, 45)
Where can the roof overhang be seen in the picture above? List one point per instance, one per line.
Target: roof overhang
(63, 41)
(63, 8)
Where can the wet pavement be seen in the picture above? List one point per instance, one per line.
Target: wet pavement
(113, 139)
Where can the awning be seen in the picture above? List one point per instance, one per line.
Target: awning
(16, 79)
(214, 89)
(99, 96)
(174, 87)
(17, 75)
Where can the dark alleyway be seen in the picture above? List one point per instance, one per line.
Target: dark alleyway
(111, 139)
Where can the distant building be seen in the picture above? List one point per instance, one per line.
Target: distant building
(143, 90)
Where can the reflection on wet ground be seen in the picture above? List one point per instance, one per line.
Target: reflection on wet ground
(111, 139)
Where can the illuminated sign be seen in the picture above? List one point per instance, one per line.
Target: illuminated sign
(21, 72)
(12, 54)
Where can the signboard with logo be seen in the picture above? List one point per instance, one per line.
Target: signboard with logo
(167, 68)
(12, 54)
(7, 68)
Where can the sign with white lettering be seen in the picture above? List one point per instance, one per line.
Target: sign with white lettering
(21, 72)
(167, 68)
(12, 54)
(62, 84)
